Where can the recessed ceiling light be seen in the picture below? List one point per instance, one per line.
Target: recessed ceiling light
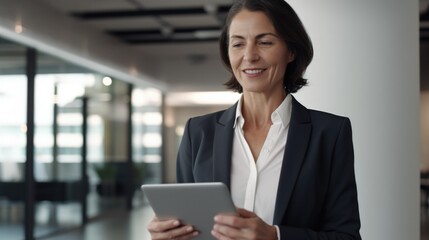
(107, 81)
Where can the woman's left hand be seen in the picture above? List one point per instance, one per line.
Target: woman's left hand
(247, 225)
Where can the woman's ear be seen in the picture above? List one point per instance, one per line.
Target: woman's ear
(291, 57)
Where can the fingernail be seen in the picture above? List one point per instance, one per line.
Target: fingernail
(216, 218)
(176, 223)
(189, 229)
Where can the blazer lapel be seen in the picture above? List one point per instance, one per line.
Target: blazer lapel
(222, 146)
(296, 147)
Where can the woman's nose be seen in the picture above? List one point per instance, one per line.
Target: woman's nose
(251, 54)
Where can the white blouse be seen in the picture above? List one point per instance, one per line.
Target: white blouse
(254, 183)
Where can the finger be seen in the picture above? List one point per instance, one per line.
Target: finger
(231, 221)
(219, 236)
(183, 232)
(246, 214)
(183, 237)
(226, 232)
(188, 236)
(161, 226)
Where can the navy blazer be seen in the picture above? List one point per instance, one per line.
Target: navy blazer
(316, 195)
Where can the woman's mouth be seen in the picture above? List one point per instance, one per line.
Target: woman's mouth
(253, 72)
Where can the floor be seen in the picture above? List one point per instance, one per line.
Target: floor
(132, 226)
(51, 218)
(124, 226)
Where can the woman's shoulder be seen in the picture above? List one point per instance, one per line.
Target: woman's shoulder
(221, 116)
(326, 116)
(208, 117)
(329, 122)
(317, 116)
(205, 125)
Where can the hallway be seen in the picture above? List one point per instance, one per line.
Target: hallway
(124, 226)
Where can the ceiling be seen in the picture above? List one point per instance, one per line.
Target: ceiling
(170, 28)
(161, 28)
(168, 31)
(173, 41)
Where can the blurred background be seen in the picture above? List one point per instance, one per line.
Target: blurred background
(94, 96)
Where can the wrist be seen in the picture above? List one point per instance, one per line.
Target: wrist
(276, 232)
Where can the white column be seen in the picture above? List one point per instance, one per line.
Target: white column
(366, 67)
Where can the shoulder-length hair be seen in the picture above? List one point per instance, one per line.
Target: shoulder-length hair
(290, 28)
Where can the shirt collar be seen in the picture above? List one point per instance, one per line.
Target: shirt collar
(281, 115)
(238, 116)
(283, 112)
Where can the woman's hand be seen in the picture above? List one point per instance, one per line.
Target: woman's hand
(170, 229)
(245, 226)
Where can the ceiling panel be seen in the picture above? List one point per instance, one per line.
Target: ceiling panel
(129, 23)
(90, 5)
(157, 21)
(178, 50)
(191, 20)
(181, 3)
(187, 29)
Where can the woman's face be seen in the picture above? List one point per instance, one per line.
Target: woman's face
(258, 55)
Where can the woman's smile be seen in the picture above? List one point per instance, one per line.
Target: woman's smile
(254, 72)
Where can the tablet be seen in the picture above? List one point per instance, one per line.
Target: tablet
(193, 203)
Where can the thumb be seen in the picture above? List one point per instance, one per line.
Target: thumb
(245, 213)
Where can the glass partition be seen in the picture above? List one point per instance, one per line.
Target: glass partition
(13, 104)
(147, 138)
(59, 89)
(107, 152)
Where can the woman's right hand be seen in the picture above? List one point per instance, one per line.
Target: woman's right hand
(170, 229)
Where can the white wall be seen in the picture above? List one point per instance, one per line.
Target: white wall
(366, 66)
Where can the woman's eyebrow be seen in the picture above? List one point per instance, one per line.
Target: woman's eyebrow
(259, 36)
(266, 34)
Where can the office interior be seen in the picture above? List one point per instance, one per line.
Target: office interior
(94, 98)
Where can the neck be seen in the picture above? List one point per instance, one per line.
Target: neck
(257, 109)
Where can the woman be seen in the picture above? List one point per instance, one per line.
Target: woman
(289, 169)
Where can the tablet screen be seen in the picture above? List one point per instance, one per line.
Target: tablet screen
(193, 203)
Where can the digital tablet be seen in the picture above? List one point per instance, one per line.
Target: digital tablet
(195, 204)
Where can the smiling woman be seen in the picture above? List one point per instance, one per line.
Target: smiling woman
(289, 169)
(286, 27)
(258, 55)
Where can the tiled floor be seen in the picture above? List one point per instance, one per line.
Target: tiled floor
(124, 226)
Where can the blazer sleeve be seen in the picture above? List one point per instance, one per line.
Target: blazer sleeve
(341, 214)
(184, 157)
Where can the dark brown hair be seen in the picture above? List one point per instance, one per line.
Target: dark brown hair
(291, 30)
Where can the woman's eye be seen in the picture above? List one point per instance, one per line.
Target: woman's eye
(266, 43)
(236, 45)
